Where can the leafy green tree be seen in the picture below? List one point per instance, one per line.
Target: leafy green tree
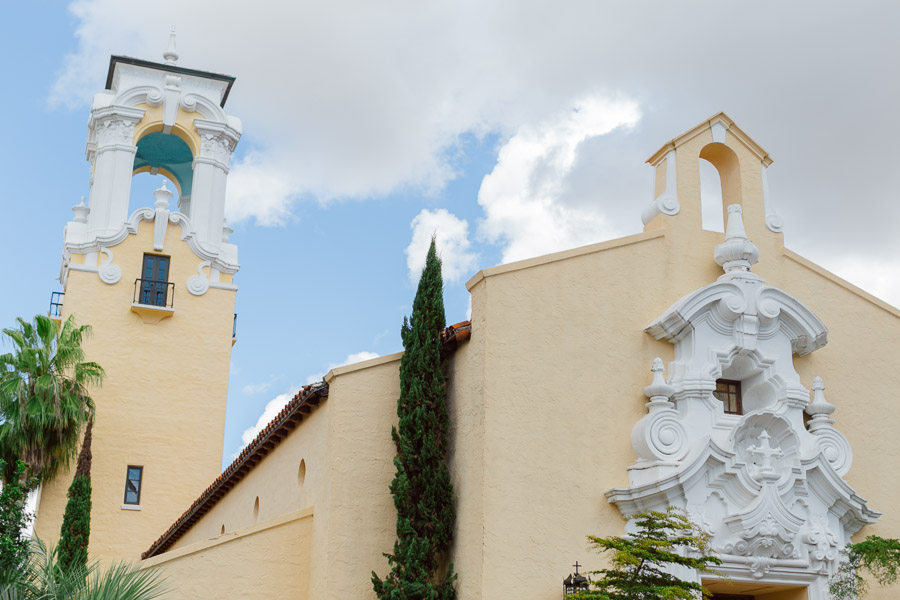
(879, 557)
(76, 526)
(639, 563)
(423, 494)
(13, 519)
(44, 395)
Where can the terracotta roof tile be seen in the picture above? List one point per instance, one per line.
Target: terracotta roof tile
(278, 428)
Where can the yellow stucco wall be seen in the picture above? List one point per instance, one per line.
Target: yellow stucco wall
(274, 481)
(163, 399)
(543, 399)
(542, 403)
(266, 560)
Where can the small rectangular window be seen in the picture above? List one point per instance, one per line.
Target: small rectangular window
(729, 392)
(133, 485)
(154, 280)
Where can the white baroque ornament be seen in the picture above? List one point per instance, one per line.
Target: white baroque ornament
(114, 131)
(198, 284)
(659, 436)
(108, 272)
(217, 147)
(766, 485)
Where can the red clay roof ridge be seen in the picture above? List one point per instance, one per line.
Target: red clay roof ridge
(278, 428)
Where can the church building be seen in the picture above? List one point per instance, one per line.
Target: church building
(720, 373)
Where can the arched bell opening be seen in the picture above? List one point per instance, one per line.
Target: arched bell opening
(720, 184)
(144, 183)
(161, 155)
(711, 215)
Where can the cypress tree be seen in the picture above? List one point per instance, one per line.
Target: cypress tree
(421, 488)
(76, 527)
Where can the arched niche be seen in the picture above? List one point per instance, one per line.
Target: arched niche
(167, 154)
(727, 164)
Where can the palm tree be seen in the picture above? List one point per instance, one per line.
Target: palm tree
(43, 578)
(44, 395)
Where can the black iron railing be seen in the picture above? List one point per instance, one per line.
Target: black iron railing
(56, 302)
(234, 328)
(154, 293)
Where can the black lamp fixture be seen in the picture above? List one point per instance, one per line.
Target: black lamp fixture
(575, 582)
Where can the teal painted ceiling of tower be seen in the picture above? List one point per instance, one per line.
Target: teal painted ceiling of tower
(166, 151)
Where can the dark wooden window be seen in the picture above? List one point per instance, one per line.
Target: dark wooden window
(133, 485)
(154, 280)
(729, 392)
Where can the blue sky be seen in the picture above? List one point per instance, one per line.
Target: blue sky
(517, 127)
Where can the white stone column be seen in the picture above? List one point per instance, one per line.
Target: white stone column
(211, 167)
(113, 167)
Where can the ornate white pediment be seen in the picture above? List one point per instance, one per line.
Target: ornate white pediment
(766, 486)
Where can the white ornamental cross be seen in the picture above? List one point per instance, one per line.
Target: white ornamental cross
(766, 452)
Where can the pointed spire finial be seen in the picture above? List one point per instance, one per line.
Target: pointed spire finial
(737, 254)
(171, 55)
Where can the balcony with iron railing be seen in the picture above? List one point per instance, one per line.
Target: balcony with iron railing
(153, 300)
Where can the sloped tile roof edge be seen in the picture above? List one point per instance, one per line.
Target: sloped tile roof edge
(278, 428)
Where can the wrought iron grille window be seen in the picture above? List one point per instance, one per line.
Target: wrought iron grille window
(729, 392)
(133, 485)
(153, 288)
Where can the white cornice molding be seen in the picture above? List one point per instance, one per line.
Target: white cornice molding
(218, 259)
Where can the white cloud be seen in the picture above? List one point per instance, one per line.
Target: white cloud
(881, 278)
(351, 359)
(256, 388)
(357, 98)
(259, 189)
(453, 246)
(273, 407)
(526, 197)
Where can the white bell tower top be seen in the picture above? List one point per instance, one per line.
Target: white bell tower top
(161, 118)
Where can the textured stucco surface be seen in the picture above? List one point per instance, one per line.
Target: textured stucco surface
(543, 398)
(163, 399)
(268, 560)
(274, 481)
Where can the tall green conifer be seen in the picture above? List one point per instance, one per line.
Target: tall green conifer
(76, 526)
(423, 494)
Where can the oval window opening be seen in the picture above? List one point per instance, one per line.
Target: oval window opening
(301, 473)
(256, 509)
(223, 529)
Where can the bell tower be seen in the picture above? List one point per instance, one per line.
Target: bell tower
(157, 287)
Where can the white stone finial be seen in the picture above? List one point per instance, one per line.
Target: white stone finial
(170, 55)
(658, 391)
(737, 254)
(226, 233)
(162, 195)
(81, 212)
(819, 409)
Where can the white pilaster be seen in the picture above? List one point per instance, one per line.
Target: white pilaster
(113, 133)
(210, 175)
